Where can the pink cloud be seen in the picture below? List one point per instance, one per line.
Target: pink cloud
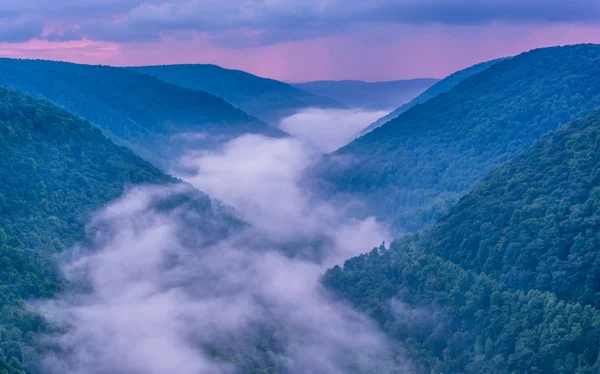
(81, 51)
(370, 53)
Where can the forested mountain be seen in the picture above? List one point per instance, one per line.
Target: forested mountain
(412, 168)
(267, 99)
(439, 88)
(369, 95)
(509, 280)
(138, 110)
(55, 170)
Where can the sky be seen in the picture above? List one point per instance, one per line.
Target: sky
(295, 40)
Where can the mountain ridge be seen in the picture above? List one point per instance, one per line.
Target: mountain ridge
(442, 86)
(264, 98)
(412, 168)
(56, 170)
(507, 281)
(137, 110)
(369, 95)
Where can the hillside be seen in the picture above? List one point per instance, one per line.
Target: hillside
(267, 99)
(534, 223)
(55, 170)
(438, 88)
(369, 95)
(412, 168)
(508, 281)
(136, 110)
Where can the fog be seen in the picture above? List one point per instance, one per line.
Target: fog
(263, 178)
(329, 129)
(152, 294)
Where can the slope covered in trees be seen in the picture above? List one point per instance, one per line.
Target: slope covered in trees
(439, 88)
(369, 95)
(412, 168)
(55, 170)
(509, 280)
(267, 99)
(534, 223)
(138, 110)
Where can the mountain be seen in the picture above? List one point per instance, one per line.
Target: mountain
(136, 110)
(439, 88)
(369, 95)
(411, 169)
(509, 280)
(55, 170)
(267, 99)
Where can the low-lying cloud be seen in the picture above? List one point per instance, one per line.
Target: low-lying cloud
(153, 295)
(329, 129)
(157, 303)
(264, 179)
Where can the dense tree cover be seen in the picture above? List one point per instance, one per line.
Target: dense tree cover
(437, 89)
(414, 167)
(508, 280)
(135, 109)
(455, 321)
(55, 170)
(535, 222)
(267, 99)
(369, 95)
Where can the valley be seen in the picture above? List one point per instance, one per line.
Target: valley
(160, 216)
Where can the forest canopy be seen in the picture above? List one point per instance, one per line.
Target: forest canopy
(508, 280)
(412, 169)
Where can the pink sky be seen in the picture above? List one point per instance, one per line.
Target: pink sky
(373, 54)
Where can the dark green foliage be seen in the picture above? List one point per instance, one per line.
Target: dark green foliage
(508, 281)
(437, 89)
(267, 99)
(369, 95)
(412, 168)
(135, 109)
(535, 223)
(455, 321)
(55, 170)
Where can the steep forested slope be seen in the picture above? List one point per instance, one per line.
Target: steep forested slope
(369, 95)
(413, 167)
(509, 280)
(55, 170)
(267, 99)
(439, 88)
(535, 223)
(141, 111)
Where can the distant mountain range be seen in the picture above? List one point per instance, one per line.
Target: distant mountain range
(267, 99)
(137, 110)
(369, 95)
(410, 170)
(438, 88)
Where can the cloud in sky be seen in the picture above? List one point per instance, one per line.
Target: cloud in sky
(375, 53)
(367, 40)
(20, 29)
(264, 22)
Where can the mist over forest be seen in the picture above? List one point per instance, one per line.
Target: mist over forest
(424, 198)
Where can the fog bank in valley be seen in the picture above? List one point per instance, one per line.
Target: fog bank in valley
(329, 129)
(153, 295)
